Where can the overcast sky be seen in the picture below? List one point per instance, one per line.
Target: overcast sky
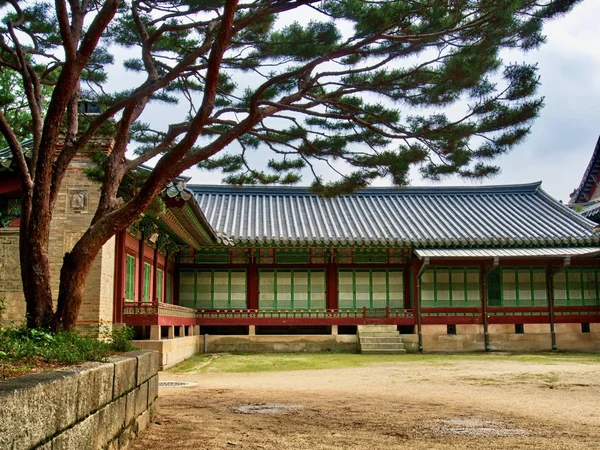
(563, 137)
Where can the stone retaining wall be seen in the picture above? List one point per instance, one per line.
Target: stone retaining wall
(91, 406)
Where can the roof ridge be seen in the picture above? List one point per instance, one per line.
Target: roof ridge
(530, 188)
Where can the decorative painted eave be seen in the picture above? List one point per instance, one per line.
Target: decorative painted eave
(589, 182)
(169, 221)
(186, 216)
(417, 217)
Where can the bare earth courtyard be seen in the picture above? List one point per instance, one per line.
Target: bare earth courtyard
(406, 401)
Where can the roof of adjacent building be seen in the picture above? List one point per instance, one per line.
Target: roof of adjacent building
(589, 182)
(6, 156)
(496, 216)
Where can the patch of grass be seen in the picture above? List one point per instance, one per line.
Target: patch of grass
(23, 350)
(276, 362)
(547, 378)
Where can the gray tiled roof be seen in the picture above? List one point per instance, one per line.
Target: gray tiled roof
(517, 215)
(6, 155)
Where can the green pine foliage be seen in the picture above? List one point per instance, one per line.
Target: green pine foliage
(316, 83)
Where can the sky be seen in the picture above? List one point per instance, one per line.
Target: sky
(563, 137)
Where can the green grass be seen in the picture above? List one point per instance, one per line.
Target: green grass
(276, 362)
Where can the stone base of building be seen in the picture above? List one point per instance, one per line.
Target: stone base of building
(435, 339)
(506, 337)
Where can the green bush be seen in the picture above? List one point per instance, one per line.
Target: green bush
(121, 338)
(26, 346)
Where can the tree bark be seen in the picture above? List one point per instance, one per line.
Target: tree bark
(35, 265)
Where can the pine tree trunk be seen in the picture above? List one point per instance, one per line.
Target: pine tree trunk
(73, 275)
(35, 266)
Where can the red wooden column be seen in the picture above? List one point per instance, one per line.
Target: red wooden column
(153, 283)
(483, 272)
(252, 283)
(331, 290)
(550, 294)
(119, 281)
(416, 265)
(140, 259)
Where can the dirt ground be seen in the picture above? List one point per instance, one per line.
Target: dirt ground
(470, 404)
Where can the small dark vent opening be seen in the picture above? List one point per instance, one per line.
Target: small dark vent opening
(519, 328)
(274, 330)
(407, 329)
(585, 328)
(224, 330)
(347, 329)
(451, 329)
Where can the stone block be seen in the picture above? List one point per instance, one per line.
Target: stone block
(94, 387)
(152, 389)
(83, 436)
(111, 420)
(147, 365)
(36, 407)
(141, 399)
(125, 374)
(567, 328)
(469, 329)
(130, 406)
(501, 328)
(433, 329)
(142, 421)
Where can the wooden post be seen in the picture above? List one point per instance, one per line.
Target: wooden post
(140, 258)
(332, 287)
(550, 295)
(153, 277)
(119, 292)
(252, 284)
(483, 294)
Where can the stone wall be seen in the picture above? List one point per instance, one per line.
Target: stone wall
(91, 406)
(503, 337)
(173, 351)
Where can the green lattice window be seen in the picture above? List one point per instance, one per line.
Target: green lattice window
(370, 288)
(517, 286)
(169, 288)
(291, 289)
(159, 285)
(213, 289)
(456, 287)
(187, 288)
(147, 281)
(576, 287)
(129, 278)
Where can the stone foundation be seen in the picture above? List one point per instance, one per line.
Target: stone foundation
(176, 350)
(91, 406)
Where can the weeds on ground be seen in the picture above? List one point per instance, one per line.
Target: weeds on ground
(23, 349)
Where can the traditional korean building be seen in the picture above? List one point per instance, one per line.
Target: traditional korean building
(386, 269)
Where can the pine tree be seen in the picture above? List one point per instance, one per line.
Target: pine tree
(362, 82)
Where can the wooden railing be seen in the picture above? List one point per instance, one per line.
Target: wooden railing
(157, 313)
(153, 313)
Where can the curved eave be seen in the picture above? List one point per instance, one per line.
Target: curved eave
(500, 242)
(175, 227)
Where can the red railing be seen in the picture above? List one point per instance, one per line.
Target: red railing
(153, 313)
(305, 317)
(157, 313)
